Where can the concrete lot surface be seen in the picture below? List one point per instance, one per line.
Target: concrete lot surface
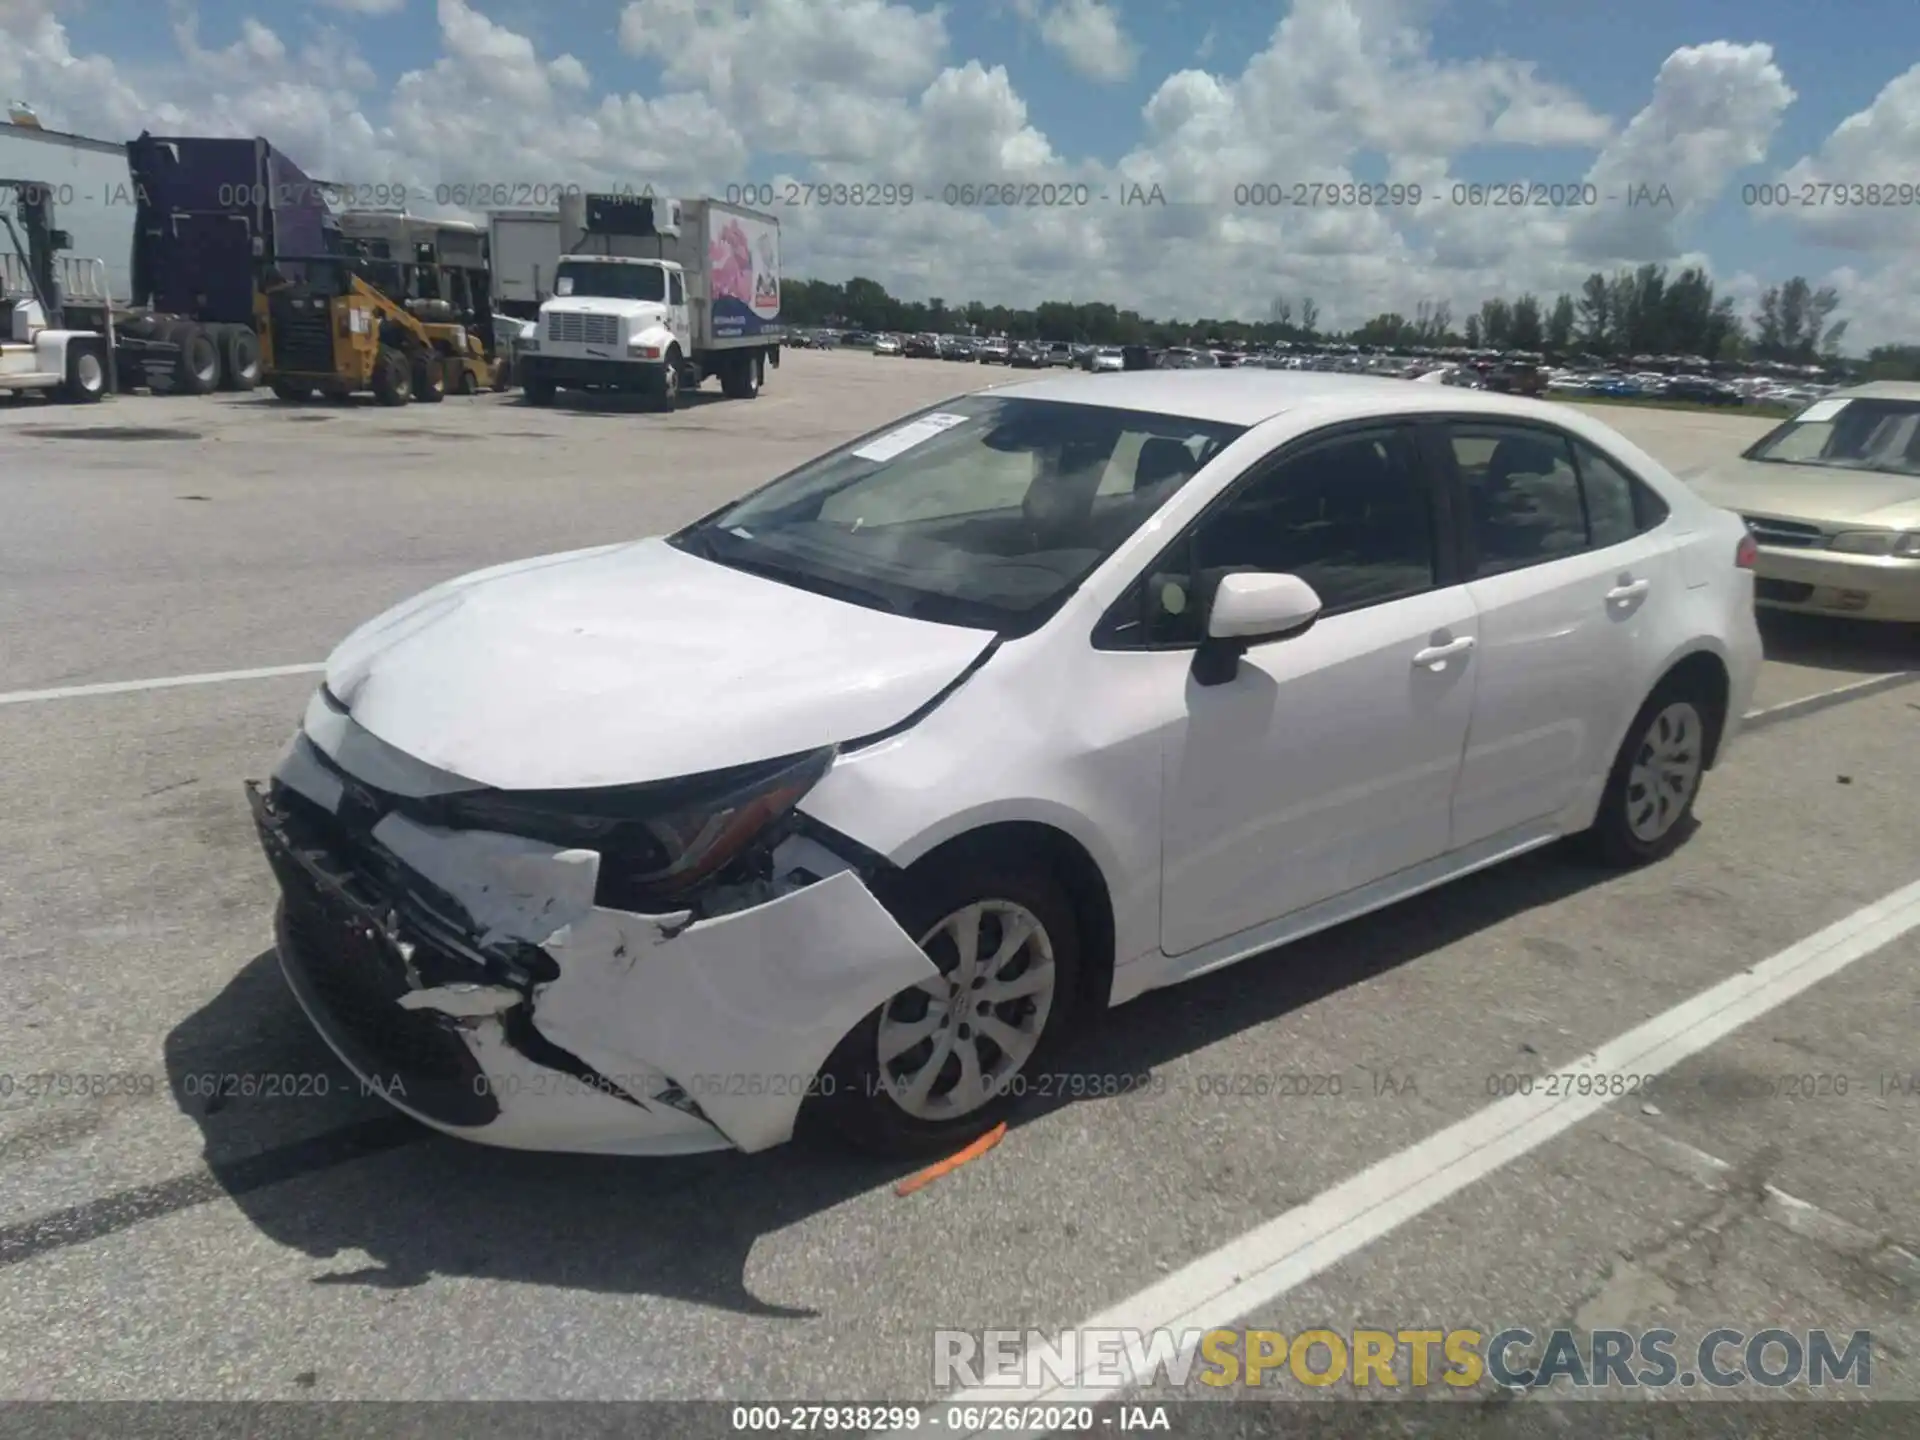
(152, 1246)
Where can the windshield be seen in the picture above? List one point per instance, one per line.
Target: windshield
(609, 280)
(987, 512)
(1879, 434)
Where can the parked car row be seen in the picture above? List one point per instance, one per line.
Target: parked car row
(967, 349)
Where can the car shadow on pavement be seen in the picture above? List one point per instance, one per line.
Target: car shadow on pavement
(420, 1206)
(1859, 647)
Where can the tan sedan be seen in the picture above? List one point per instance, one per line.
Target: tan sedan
(1832, 498)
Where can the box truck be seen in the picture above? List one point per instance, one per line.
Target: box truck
(652, 296)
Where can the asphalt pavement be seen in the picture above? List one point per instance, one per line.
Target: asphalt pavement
(159, 1244)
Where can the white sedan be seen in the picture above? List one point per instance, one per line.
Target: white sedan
(853, 799)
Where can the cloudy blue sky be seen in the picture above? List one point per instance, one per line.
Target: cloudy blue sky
(1702, 97)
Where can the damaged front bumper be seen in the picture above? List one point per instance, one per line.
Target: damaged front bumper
(469, 979)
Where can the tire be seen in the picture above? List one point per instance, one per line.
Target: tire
(502, 375)
(86, 382)
(1646, 811)
(289, 392)
(429, 379)
(538, 389)
(197, 370)
(239, 358)
(667, 399)
(392, 377)
(741, 381)
(467, 383)
(863, 1101)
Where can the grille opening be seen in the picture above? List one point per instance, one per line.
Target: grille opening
(354, 983)
(1789, 533)
(1787, 592)
(580, 329)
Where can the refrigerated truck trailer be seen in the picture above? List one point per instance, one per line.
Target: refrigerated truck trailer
(181, 224)
(523, 251)
(653, 295)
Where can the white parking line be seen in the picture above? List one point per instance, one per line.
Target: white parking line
(1265, 1263)
(164, 682)
(1820, 700)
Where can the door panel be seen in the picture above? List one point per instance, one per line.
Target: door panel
(1329, 759)
(1328, 762)
(677, 317)
(1563, 627)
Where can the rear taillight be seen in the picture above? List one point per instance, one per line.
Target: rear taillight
(1746, 554)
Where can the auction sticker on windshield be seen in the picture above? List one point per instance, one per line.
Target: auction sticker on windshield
(898, 442)
(1820, 410)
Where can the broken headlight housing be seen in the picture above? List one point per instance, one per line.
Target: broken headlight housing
(660, 842)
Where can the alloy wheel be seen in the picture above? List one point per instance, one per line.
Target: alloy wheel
(949, 1046)
(1666, 771)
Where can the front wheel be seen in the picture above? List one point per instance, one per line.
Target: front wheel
(941, 1063)
(666, 399)
(429, 379)
(1646, 810)
(86, 379)
(392, 377)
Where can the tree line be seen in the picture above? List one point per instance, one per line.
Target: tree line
(1644, 311)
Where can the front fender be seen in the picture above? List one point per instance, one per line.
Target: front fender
(654, 337)
(50, 348)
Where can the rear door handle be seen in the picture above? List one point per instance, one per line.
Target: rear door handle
(1435, 657)
(1632, 590)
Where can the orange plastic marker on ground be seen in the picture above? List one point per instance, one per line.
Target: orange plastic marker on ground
(953, 1162)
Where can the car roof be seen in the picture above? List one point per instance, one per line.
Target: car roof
(1242, 396)
(1881, 390)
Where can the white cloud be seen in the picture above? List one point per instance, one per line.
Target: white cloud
(1713, 113)
(1849, 193)
(868, 90)
(1087, 35)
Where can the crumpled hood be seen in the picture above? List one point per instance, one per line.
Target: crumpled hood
(630, 663)
(1836, 498)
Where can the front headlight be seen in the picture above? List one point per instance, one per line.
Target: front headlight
(657, 842)
(1902, 545)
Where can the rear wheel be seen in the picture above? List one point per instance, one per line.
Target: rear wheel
(943, 1062)
(467, 383)
(197, 369)
(392, 378)
(1647, 808)
(239, 358)
(538, 389)
(289, 392)
(741, 380)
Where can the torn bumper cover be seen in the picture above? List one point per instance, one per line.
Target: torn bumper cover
(470, 979)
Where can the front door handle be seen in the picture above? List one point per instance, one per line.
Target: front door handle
(1632, 590)
(1435, 657)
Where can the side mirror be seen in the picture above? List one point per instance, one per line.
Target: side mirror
(1250, 608)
